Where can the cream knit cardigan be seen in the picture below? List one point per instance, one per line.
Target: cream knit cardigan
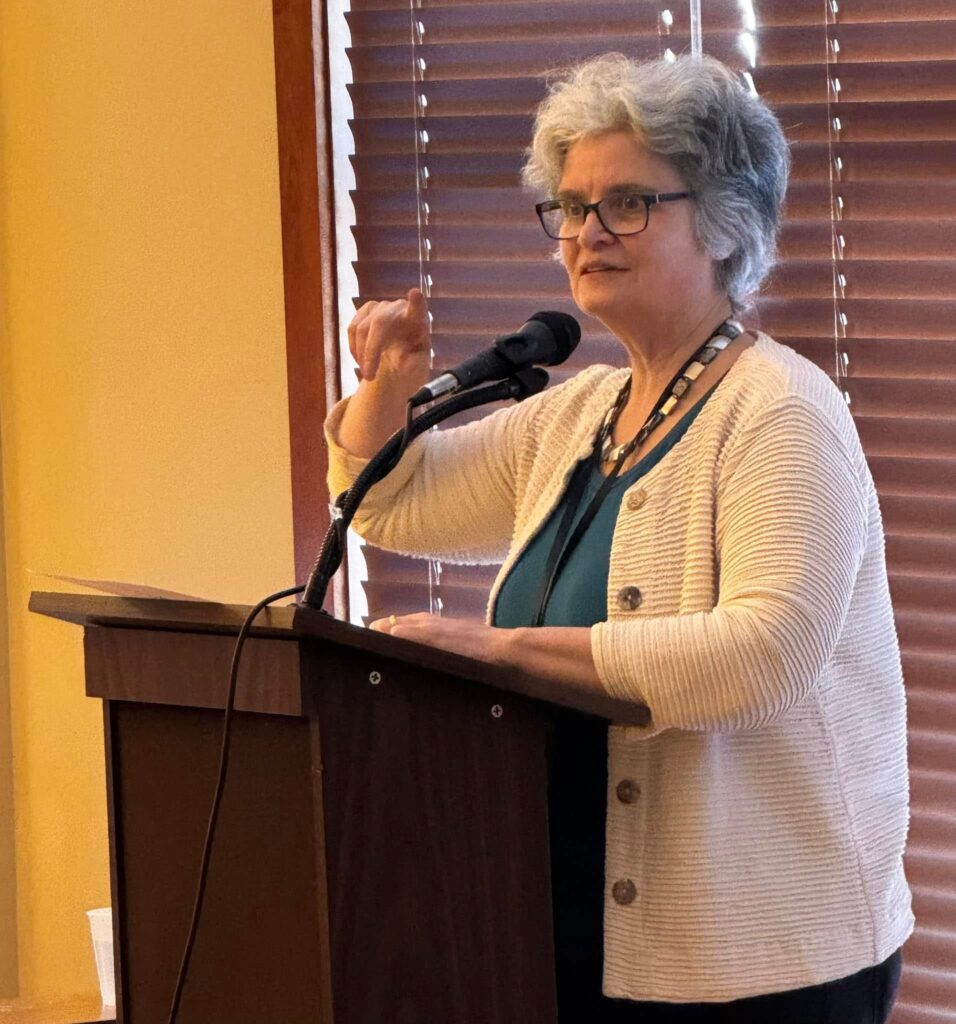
(766, 844)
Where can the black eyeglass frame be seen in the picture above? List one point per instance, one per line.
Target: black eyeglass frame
(648, 199)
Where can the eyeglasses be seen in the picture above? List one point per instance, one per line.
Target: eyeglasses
(623, 213)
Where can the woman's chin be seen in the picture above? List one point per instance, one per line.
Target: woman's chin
(602, 306)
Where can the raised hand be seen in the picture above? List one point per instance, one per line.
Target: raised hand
(391, 337)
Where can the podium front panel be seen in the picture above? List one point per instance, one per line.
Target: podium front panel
(436, 844)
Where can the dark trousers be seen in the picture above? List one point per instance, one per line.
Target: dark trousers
(577, 809)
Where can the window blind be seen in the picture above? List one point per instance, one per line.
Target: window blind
(443, 95)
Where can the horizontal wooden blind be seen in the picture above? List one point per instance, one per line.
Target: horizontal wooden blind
(866, 285)
(891, 128)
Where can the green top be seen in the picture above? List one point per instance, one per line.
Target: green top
(579, 596)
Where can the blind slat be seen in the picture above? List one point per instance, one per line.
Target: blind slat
(907, 161)
(930, 711)
(505, 27)
(928, 985)
(907, 514)
(933, 673)
(886, 357)
(784, 85)
(933, 788)
(726, 14)
(897, 123)
(884, 202)
(788, 88)
(391, 264)
(490, 48)
(910, 593)
(899, 358)
(907, 438)
(922, 477)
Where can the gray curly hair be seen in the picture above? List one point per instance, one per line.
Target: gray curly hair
(720, 137)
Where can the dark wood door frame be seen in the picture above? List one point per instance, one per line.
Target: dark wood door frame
(308, 261)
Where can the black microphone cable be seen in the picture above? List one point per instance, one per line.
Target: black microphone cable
(217, 795)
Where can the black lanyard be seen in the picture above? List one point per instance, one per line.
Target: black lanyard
(563, 545)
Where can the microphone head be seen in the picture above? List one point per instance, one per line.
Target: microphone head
(565, 330)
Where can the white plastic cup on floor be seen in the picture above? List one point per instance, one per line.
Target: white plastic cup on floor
(101, 929)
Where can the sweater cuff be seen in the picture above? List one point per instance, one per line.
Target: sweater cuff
(610, 647)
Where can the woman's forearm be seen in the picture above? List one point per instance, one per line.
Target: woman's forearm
(376, 411)
(562, 653)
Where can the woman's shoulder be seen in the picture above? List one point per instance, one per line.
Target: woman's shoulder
(771, 374)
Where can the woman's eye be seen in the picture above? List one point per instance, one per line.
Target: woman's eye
(572, 209)
(629, 203)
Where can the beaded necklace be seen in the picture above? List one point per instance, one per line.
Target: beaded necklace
(727, 332)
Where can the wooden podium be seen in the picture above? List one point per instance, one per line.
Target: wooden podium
(382, 849)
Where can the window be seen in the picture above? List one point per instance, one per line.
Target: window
(442, 95)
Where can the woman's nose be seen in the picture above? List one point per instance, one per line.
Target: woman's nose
(593, 232)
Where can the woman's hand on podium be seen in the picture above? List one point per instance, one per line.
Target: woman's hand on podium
(467, 637)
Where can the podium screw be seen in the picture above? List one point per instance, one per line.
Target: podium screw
(497, 711)
(375, 678)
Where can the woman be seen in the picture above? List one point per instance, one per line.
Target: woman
(708, 547)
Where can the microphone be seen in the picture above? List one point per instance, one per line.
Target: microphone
(547, 338)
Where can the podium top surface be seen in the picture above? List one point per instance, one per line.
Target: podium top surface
(297, 623)
(161, 613)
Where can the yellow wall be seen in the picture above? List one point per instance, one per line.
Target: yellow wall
(142, 383)
(8, 881)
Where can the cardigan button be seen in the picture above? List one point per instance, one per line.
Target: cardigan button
(629, 598)
(624, 891)
(628, 791)
(636, 500)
